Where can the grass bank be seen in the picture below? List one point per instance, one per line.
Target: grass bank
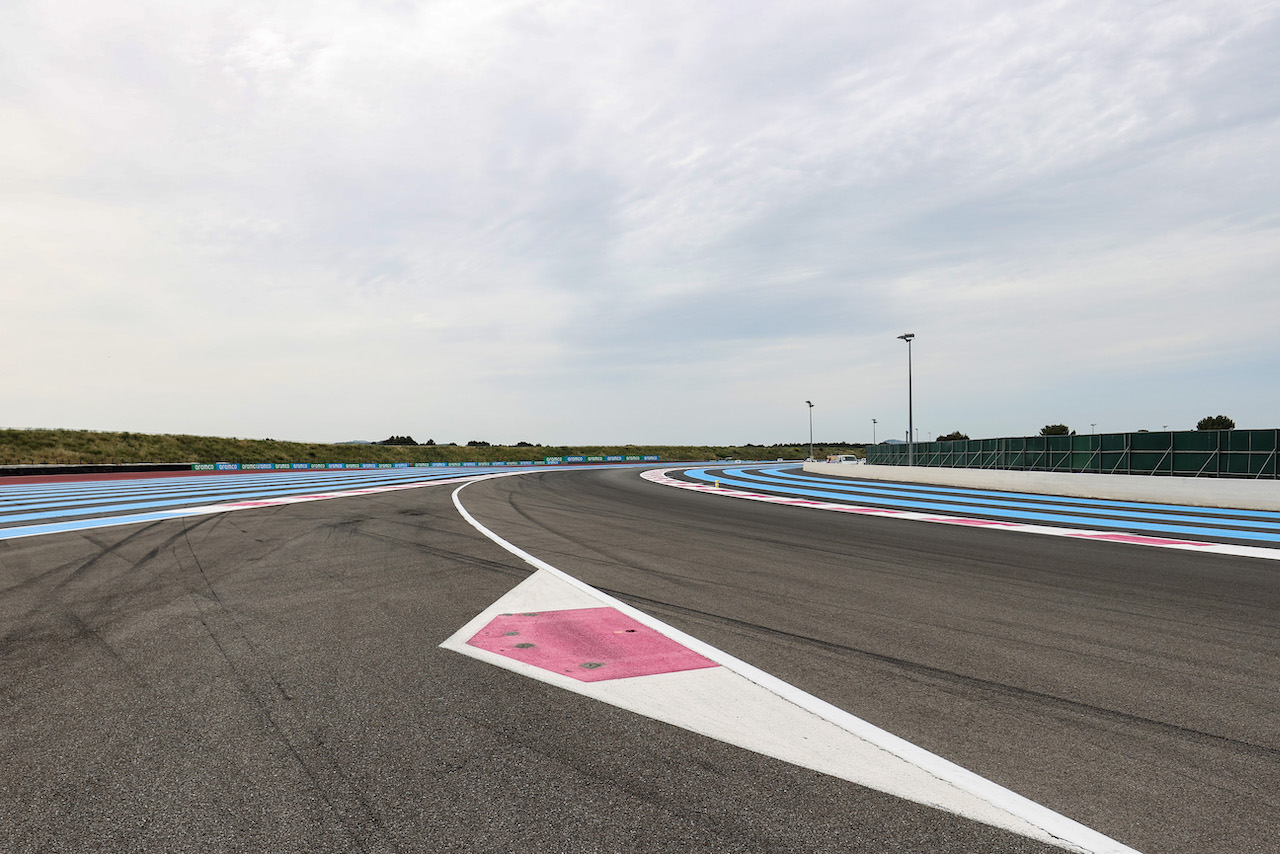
(87, 447)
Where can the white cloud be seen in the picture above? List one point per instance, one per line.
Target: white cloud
(552, 215)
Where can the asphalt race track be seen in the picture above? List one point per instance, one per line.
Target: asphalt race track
(272, 679)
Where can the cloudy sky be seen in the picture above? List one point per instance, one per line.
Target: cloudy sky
(657, 222)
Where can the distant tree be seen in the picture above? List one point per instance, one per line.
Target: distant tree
(953, 436)
(1216, 422)
(429, 442)
(398, 440)
(477, 443)
(524, 445)
(1055, 430)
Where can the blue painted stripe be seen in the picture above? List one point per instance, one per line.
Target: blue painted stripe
(54, 508)
(1173, 512)
(86, 524)
(1011, 514)
(170, 498)
(233, 487)
(1017, 496)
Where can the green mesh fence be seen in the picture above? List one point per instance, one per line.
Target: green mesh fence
(1200, 453)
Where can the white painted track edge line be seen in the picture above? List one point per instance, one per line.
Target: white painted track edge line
(1071, 834)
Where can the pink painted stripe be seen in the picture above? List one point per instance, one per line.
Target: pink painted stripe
(587, 644)
(1144, 540)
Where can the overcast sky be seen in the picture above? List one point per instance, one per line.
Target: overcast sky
(657, 222)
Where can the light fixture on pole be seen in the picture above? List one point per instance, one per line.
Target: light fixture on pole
(873, 431)
(810, 402)
(908, 337)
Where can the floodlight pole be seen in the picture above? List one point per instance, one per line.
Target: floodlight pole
(810, 402)
(908, 337)
(873, 431)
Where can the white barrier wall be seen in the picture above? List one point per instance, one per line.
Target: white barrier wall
(1201, 491)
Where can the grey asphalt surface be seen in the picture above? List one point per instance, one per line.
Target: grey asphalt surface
(270, 680)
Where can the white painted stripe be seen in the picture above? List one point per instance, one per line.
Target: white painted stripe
(71, 526)
(660, 476)
(207, 509)
(1056, 828)
(722, 704)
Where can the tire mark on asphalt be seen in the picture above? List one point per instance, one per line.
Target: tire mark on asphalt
(53, 610)
(746, 628)
(76, 568)
(345, 802)
(685, 810)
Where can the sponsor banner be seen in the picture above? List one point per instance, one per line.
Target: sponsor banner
(498, 463)
(368, 465)
(472, 465)
(203, 467)
(301, 465)
(351, 466)
(402, 465)
(435, 465)
(613, 459)
(595, 459)
(335, 466)
(318, 466)
(228, 467)
(386, 465)
(634, 459)
(575, 459)
(453, 465)
(526, 463)
(650, 459)
(282, 466)
(553, 461)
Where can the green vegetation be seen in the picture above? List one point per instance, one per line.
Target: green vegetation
(953, 436)
(401, 440)
(71, 447)
(1055, 430)
(1216, 422)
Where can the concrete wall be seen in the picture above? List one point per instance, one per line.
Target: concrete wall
(1204, 492)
